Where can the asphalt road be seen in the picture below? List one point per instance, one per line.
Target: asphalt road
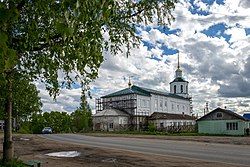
(226, 153)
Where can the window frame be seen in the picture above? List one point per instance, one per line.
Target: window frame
(219, 115)
(111, 125)
(232, 126)
(156, 104)
(175, 88)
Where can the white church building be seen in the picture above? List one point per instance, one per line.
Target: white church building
(136, 106)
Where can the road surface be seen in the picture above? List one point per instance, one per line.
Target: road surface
(225, 153)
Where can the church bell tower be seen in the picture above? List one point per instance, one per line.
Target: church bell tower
(179, 86)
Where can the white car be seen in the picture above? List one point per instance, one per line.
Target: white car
(47, 130)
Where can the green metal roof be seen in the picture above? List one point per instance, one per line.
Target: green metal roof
(142, 91)
(179, 79)
(127, 91)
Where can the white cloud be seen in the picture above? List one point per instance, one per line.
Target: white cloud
(209, 63)
(237, 34)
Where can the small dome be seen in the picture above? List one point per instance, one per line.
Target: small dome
(178, 70)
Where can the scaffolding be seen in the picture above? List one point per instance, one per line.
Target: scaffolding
(191, 104)
(128, 105)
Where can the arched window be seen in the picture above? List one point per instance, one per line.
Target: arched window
(181, 88)
(174, 88)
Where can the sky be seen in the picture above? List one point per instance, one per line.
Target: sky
(212, 38)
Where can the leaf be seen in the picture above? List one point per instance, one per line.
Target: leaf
(3, 38)
(11, 61)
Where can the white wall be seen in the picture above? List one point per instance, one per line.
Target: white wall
(143, 105)
(184, 93)
(158, 103)
(173, 122)
(104, 121)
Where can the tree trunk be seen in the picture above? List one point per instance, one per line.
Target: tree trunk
(8, 149)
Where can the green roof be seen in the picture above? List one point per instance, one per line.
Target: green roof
(127, 91)
(179, 79)
(142, 91)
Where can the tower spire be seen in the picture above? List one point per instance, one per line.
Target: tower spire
(178, 72)
(178, 66)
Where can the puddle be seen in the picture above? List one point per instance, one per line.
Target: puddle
(24, 139)
(64, 154)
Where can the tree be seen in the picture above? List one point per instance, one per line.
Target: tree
(81, 118)
(36, 123)
(58, 121)
(45, 37)
(25, 98)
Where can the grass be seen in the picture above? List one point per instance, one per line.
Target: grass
(13, 163)
(155, 133)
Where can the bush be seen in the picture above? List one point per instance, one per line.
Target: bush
(151, 127)
(25, 129)
(13, 163)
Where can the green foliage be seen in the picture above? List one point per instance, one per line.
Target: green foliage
(60, 122)
(133, 132)
(38, 38)
(37, 123)
(25, 97)
(151, 127)
(82, 117)
(13, 163)
(81, 120)
(25, 128)
(41, 38)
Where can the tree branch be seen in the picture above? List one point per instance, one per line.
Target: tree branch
(20, 5)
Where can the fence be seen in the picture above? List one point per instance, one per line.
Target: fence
(180, 128)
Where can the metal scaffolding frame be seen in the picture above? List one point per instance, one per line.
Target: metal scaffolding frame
(128, 105)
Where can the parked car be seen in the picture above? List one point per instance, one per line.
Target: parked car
(47, 130)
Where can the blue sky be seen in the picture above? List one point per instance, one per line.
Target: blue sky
(212, 37)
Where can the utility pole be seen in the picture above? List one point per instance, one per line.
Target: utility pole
(207, 107)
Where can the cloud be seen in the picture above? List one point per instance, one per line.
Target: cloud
(214, 53)
(245, 4)
(237, 85)
(67, 101)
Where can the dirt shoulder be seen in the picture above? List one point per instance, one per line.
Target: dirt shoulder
(33, 147)
(208, 139)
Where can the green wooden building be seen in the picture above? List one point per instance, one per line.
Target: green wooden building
(221, 121)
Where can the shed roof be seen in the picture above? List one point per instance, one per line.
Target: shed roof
(110, 112)
(169, 116)
(223, 111)
(142, 91)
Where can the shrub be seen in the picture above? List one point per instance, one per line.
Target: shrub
(151, 127)
(13, 163)
(24, 129)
